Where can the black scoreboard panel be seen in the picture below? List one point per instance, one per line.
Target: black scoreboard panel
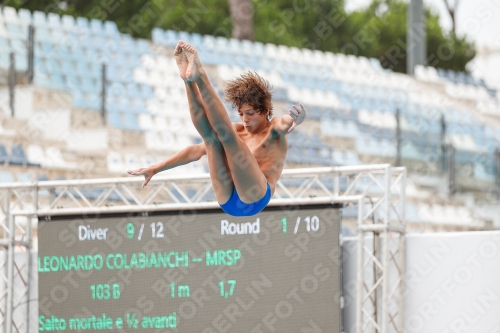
(191, 271)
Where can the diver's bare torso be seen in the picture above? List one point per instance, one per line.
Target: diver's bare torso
(269, 147)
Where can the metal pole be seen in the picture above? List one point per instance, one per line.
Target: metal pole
(402, 251)
(497, 171)
(376, 275)
(443, 143)
(451, 170)
(359, 273)
(10, 276)
(103, 94)
(385, 253)
(398, 138)
(31, 54)
(5, 283)
(12, 82)
(336, 184)
(416, 49)
(29, 249)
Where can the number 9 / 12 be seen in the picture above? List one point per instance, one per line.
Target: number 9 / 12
(156, 230)
(105, 291)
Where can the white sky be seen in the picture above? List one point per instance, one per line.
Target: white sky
(479, 20)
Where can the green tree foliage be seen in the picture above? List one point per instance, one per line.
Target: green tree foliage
(378, 31)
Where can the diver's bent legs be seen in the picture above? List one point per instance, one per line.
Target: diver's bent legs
(217, 163)
(250, 182)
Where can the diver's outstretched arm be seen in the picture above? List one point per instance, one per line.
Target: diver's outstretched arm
(187, 155)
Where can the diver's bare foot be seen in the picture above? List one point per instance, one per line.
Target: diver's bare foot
(193, 71)
(181, 59)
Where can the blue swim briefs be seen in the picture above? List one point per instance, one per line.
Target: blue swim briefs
(235, 207)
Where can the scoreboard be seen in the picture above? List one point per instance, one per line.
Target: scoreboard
(191, 271)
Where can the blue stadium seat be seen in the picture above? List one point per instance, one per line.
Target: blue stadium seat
(43, 49)
(63, 52)
(137, 106)
(142, 46)
(78, 99)
(412, 213)
(4, 60)
(112, 105)
(39, 19)
(73, 82)
(42, 79)
(82, 69)
(123, 104)
(131, 122)
(90, 86)
(98, 42)
(110, 29)
(410, 151)
(4, 156)
(146, 91)
(24, 16)
(352, 158)
(115, 120)
(96, 27)
(367, 146)
(93, 101)
(350, 211)
(18, 156)
(90, 53)
(53, 66)
(6, 177)
(112, 73)
(212, 57)
(68, 22)
(375, 64)
(484, 172)
(86, 101)
(122, 60)
(197, 40)
(185, 36)
(42, 178)
(116, 89)
(157, 36)
(127, 44)
(54, 21)
(82, 24)
(24, 177)
(18, 47)
(255, 49)
(17, 31)
(67, 67)
(4, 44)
(56, 35)
(57, 82)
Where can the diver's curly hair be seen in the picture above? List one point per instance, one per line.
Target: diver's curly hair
(252, 89)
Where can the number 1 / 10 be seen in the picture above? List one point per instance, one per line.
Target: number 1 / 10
(105, 291)
(312, 224)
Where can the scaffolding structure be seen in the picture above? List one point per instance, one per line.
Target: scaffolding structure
(375, 193)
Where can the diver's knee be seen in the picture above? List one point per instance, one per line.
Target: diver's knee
(212, 141)
(224, 134)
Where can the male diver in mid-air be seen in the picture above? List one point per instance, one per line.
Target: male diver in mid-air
(245, 159)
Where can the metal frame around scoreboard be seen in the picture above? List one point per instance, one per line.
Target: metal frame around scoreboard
(375, 192)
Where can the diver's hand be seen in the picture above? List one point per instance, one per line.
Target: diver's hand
(148, 173)
(298, 115)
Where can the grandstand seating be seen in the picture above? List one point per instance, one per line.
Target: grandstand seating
(350, 98)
